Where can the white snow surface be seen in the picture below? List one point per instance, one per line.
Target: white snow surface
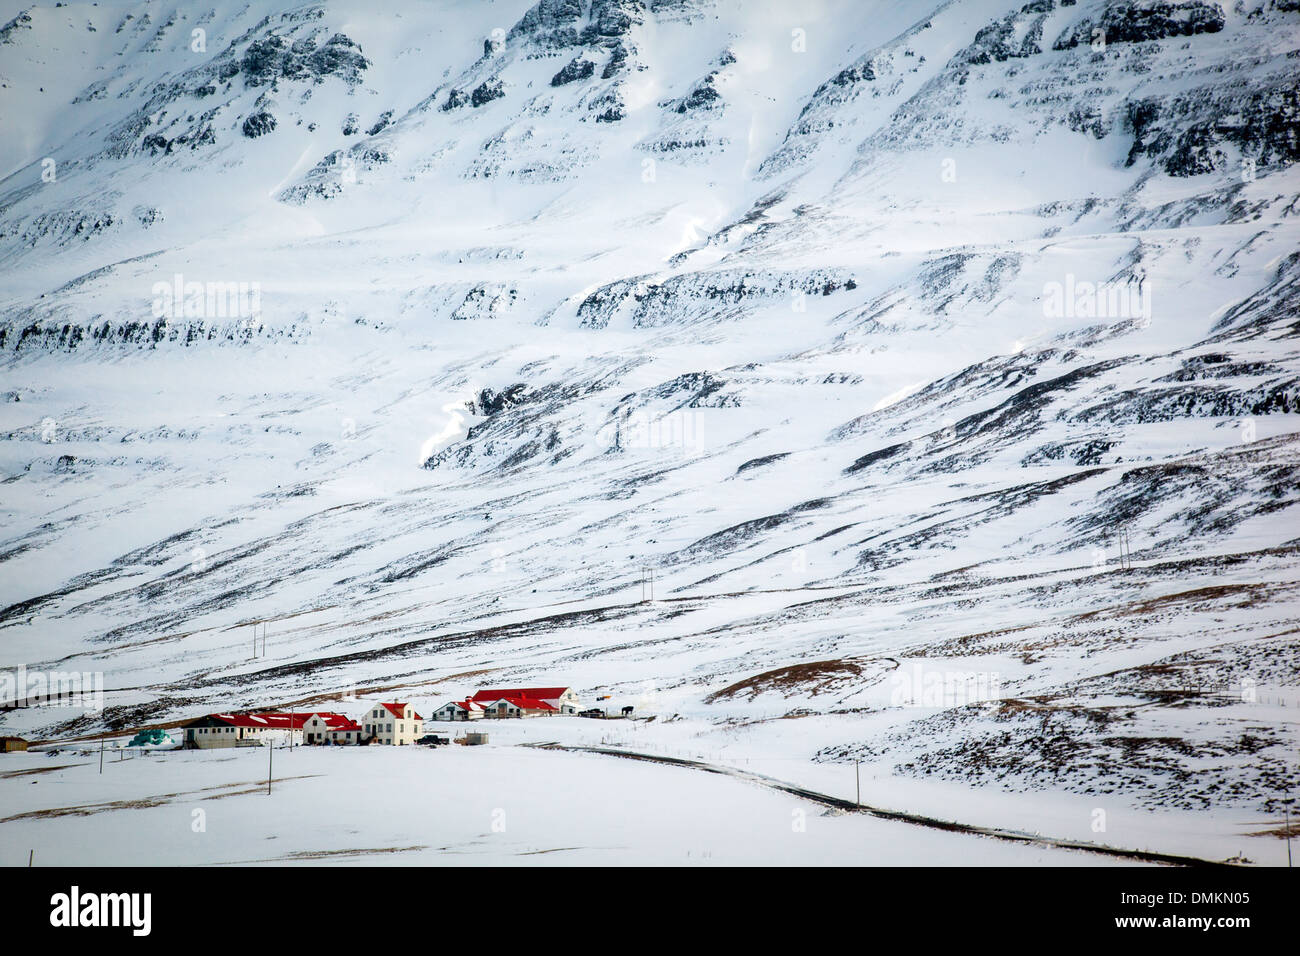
(761, 307)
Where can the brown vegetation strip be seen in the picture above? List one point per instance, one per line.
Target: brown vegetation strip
(145, 803)
(823, 674)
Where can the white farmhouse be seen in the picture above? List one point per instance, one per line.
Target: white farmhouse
(395, 724)
(331, 729)
(459, 710)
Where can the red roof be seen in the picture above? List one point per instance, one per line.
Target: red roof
(399, 710)
(531, 693)
(266, 721)
(338, 722)
(527, 703)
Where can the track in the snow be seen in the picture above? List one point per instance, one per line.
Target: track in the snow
(838, 803)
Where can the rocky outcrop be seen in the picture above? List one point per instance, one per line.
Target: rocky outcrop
(486, 92)
(274, 57)
(258, 124)
(1141, 20)
(579, 68)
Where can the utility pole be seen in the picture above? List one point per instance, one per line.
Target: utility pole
(857, 773)
(1125, 549)
(1288, 837)
(1286, 805)
(101, 753)
(31, 855)
(270, 761)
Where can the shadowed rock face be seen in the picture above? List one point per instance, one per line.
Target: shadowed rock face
(275, 57)
(579, 68)
(1187, 133)
(550, 23)
(486, 92)
(1138, 22)
(259, 124)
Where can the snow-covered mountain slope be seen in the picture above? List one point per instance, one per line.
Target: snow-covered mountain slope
(951, 337)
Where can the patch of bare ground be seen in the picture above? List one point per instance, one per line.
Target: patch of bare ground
(1281, 831)
(1213, 596)
(1089, 628)
(35, 770)
(337, 854)
(1214, 676)
(808, 679)
(1139, 750)
(145, 803)
(957, 647)
(558, 849)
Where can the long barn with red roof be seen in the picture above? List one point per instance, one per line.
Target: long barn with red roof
(526, 701)
(242, 730)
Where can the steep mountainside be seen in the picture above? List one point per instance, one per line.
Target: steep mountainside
(891, 340)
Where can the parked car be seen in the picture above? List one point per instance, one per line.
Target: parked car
(433, 740)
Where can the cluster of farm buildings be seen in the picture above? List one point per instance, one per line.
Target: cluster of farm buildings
(394, 724)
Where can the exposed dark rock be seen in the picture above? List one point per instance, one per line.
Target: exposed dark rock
(10, 30)
(760, 462)
(455, 100)
(490, 402)
(579, 68)
(273, 57)
(883, 454)
(258, 124)
(704, 96)
(1187, 133)
(997, 42)
(486, 92)
(551, 23)
(613, 18)
(1138, 22)
(618, 60)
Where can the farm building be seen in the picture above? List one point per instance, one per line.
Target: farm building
(459, 710)
(12, 744)
(561, 700)
(247, 730)
(396, 724)
(384, 724)
(331, 729)
(518, 707)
